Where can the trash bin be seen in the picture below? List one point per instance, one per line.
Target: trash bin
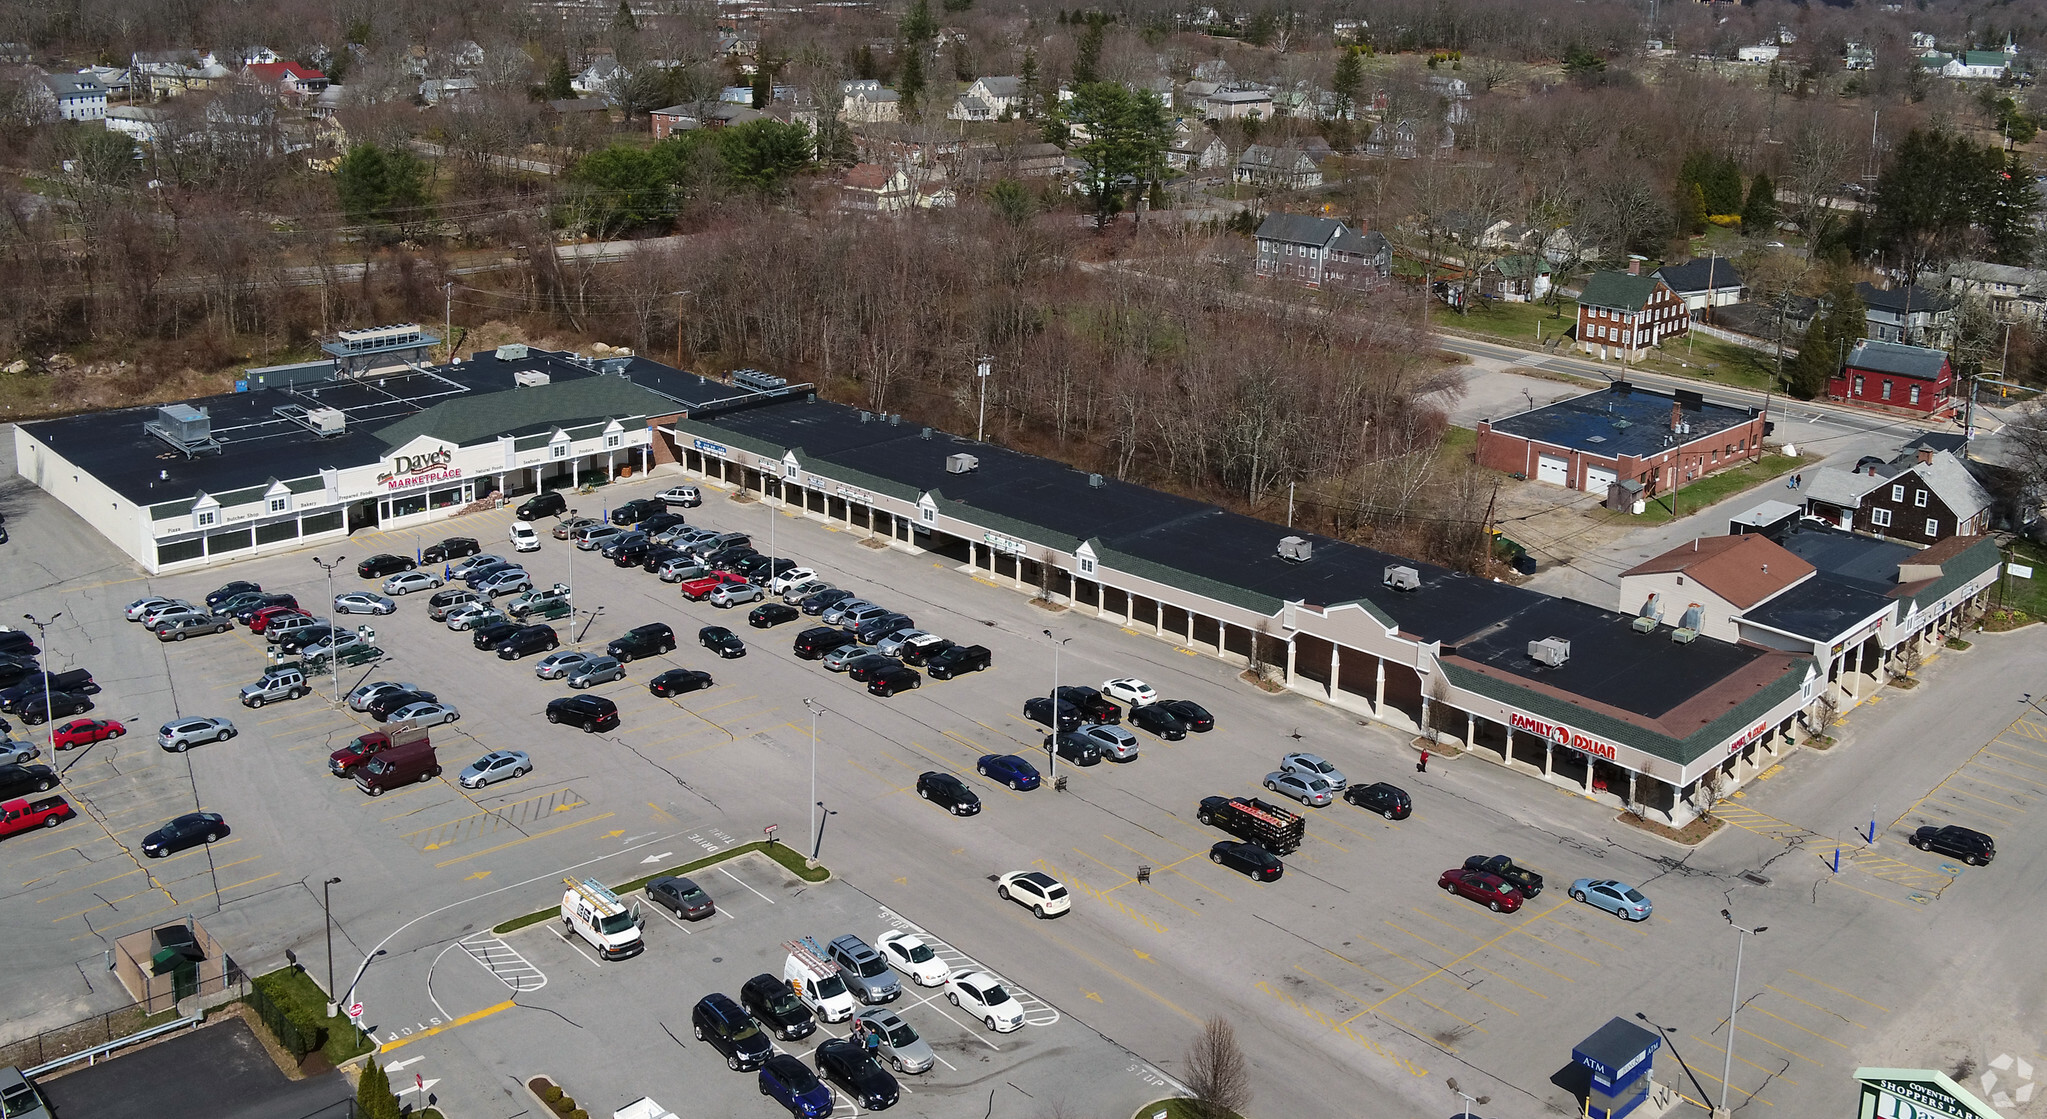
(1525, 564)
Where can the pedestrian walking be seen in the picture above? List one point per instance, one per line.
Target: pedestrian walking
(1422, 766)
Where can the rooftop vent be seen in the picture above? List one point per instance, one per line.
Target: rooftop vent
(1650, 614)
(758, 381)
(1552, 651)
(512, 351)
(1096, 481)
(867, 417)
(811, 399)
(896, 418)
(185, 428)
(959, 464)
(1687, 630)
(530, 378)
(1402, 578)
(1294, 549)
(926, 434)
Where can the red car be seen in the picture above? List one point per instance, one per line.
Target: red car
(261, 619)
(1479, 886)
(696, 590)
(85, 732)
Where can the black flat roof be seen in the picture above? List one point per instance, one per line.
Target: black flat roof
(1863, 562)
(257, 445)
(1621, 419)
(1822, 608)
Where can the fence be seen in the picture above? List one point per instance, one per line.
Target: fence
(1746, 341)
(77, 1037)
(299, 1038)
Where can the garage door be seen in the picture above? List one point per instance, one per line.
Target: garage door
(1551, 469)
(1598, 478)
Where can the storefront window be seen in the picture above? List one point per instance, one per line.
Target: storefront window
(272, 533)
(321, 522)
(180, 551)
(408, 505)
(441, 499)
(233, 540)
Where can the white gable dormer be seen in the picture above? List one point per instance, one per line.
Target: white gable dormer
(1085, 557)
(277, 499)
(927, 510)
(790, 466)
(614, 435)
(558, 444)
(205, 511)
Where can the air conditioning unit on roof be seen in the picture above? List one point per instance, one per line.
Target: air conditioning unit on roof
(1552, 651)
(1294, 549)
(961, 464)
(1403, 578)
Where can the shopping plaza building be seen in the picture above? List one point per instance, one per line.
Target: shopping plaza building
(1639, 711)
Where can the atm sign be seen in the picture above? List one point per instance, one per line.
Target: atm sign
(1562, 736)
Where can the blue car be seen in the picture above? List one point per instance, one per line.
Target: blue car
(795, 1087)
(1618, 898)
(1009, 769)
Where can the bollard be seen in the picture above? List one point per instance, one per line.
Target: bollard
(1059, 783)
(1837, 860)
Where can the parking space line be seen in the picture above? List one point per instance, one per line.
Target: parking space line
(1558, 947)
(1417, 936)
(112, 903)
(462, 1021)
(89, 885)
(1751, 1096)
(524, 839)
(1511, 982)
(101, 932)
(1796, 1026)
(1774, 1074)
(1746, 1032)
(727, 873)
(1453, 928)
(224, 889)
(1836, 990)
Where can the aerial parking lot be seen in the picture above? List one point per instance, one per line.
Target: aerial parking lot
(1354, 962)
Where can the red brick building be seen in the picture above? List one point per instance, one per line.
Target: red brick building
(1622, 434)
(1893, 375)
(1622, 314)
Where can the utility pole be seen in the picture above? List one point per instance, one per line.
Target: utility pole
(982, 367)
(448, 319)
(333, 646)
(1052, 755)
(43, 639)
(327, 907)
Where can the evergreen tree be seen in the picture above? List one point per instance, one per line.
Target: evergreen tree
(373, 1098)
(557, 87)
(1690, 211)
(1027, 88)
(1348, 81)
(1723, 188)
(375, 185)
(763, 87)
(1087, 57)
(863, 63)
(918, 26)
(1127, 137)
(1582, 63)
(910, 83)
(623, 19)
(1810, 371)
(1847, 315)
(2007, 214)
(1759, 211)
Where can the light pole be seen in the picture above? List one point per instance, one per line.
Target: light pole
(49, 658)
(349, 999)
(333, 646)
(327, 907)
(571, 517)
(1734, 1005)
(816, 709)
(1052, 752)
(1671, 1030)
(1451, 1083)
(982, 367)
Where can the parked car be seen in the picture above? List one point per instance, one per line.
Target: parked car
(539, 600)
(1522, 878)
(488, 637)
(776, 1007)
(948, 792)
(41, 707)
(546, 504)
(85, 732)
(835, 613)
(683, 497)
(461, 568)
(660, 523)
(189, 830)
(1045, 895)
(983, 996)
(473, 615)
(382, 564)
(406, 582)
(567, 526)
(224, 592)
(867, 975)
(734, 594)
(1480, 886)
(177, 627)
(279, 626)
(650, 640)
(445, 601)
(386, 705)
(956, 660)
(1038, 709)
(590, 538)
(524, 537)
(771, 614)
(1313, 765)
(700, 588)
(498, 765)
(1967, 844)
(1131, 691)
(363, 602)
(874, 630)
(784, 580)
(591, 712)
(623, 541)
(637, 510)
(360, 698)
(721, 641)
(164, 619)
(527, 641)
(1618, 898)
(557, 666)
(842, 657)
(1077, 748)
(790, 1083)
(1009, 769)
(892, 645)
(849, 1065)
(510, 580)
(900, 1042)
(720, 1023)
(259, 622)
(595, 671)
(1249, 858)
(246, 608)
(19, 780)
(678, 681)
(824, 600)
(917, 651)
(682, 897)
(297, 638)
(453, 548)
(426, 714)
(1114, 742)
(141, 606)
(1155, 718)
(907, 953)
(680, 568)
(1387, 800)
(183, 734)
(863, 666)
(1092, 705)
(1311, 791)
(1191, 714)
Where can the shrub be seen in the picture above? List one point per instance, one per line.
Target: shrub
(552, 1095)
(579, 1113)
(566, 1105)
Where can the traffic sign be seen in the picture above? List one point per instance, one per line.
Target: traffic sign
(354, 1011)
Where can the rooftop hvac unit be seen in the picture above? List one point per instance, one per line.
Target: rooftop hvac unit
(512, 351)
(757, 380)
(1096, 481)
(327, 421)
(184, 427)
(927, 433)
(1650, 614)
(1687, 630)
(867, 417)
(1552, 651)
(1403, 578)
(1295, 549)
(961, 464)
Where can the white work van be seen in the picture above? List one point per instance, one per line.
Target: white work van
(597, 915)
(816, 980)
(643, 1108)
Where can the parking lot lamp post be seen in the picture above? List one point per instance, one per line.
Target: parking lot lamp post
(1052, 752)
(327, 907)
(815, 710)
(1451, 1083)
(572, 572)
(982, 367)
(43, 639)
(333, 646)
(348, 1000)
(1734, 1005)
(1671, 1039)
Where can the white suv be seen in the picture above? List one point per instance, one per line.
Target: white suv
(524, 537)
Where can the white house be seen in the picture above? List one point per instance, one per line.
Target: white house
(140, 123)
(1760, 53)
(867, 101)
(1977, 66)
(75, 97)
(988, 99)
(1238, 104)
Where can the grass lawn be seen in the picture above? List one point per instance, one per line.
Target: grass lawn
(1708, 490)
(1510, 322)
(1175, 1108)
(1458, 445)
(2029, 595)
(297, 995)
(1710, 359)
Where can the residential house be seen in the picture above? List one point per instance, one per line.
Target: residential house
(1238, 104)
(288, 81)
(1924, 41)
(1215, 70)
(1712, 282)
(329, 102)
(2013, 293)
(1569, 245)
(1858, 57)
(736, 95)
(1195, 95)
(435, 91)
(1350, 30)
(71, 97)
(588, 108)
(1923, 496)
(794, 108)
(1161, 88)
(113, 79)
(743, 43)
(1912, 314)
(141, 123)
(726, 114)
(1322, 252)
(1026, 161)
(867, 101)
(988, 99)
(602, 77)
(1709, 583)
(258, 55)
(1520, 278)
(156, 75)
(1195, 147)
(1892, 375)
(1977, 66)
(1285, 167)
(1401, 138)
(1622, 314)
(673, 119)
(936, 196)
(876, 189)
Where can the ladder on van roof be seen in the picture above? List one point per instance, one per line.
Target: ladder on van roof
(806, 949)
(596, 893)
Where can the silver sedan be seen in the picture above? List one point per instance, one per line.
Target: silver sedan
(555, 666)
(1309, 790)
(406, 582)
(363, 602)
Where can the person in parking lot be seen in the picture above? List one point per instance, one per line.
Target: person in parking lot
(1422, 766)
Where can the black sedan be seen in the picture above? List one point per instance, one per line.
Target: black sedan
(1249, 858)
(1191, 714)
(858, 1074)
(681, 897)
(1038, 709)
(41, 708)
(21, 780)
(721, 641)
(824, 600)
(229, 590)
(591, 712)
(633, 512)
(381, 707)
(298, 639)
(453, 548)
(770, 614)
(246, 609)
(529, 640)
(894, 679)
(679, 681)
(1155, 718)
(189, 830)
(1387, 800)
(491, 636)
(378, 566)
(948, 792)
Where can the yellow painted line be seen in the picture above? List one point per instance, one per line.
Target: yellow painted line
(1453, 928)
(1837, 880)
(1752, 1097)
(110, 904)
(1559, 947)
(2006, 805)
(1744, 1060)
(1975, 812)
(1344, 1027)
(1590, 937)
(462, 1021)
(524, 839)
(1535, 965)
(1417, 936)
(1796, 1026)
(225, 889)
(1836, 990)
(100, 933)
(1975, 772)
(1509, 981)
(90, 885)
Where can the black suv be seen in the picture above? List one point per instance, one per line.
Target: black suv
(849, 1065)
(722, 1025)
(1387, 800)
(775, 1006)
(660, 521)
(591, 712)
(529, 639)
(1092, 705)
(632, 553)
(956, 659)
(491, 636)
(229, 590)
(816, 641)
(453, 548)
(1966, 844)
(770, 614)
(1077, 748)
(378, 566)
(1038, 709)
(721, 641)
(549, 504)
(1159, 721)
(250, 607)
(18, 780)
(892, 679)
(650, 640)
(633, 512)
(948, 792)
(38, 708)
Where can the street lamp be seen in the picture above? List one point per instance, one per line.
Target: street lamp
(349, 999)
(1672, 1039)
(1052, 750)
(327, 906)
(43, 639)
(982, 367)
(1481, 1101)
(333, 646)
(816, 709)
(571, 516)
(1733, 1005)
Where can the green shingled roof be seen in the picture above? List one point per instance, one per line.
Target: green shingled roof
(1980, 557)
(471, 419)
(1618, 290)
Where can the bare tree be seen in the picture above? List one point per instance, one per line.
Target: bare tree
(1217, 1072)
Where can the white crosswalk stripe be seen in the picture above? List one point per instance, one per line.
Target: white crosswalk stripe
(501, 960)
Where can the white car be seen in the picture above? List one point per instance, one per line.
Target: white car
(894, 644)
(425, 714)
(983, 996)
(790, 578)
(1045, 894)
(1130, 691)
(363, 696)
(689, 497)
(496, 766)
(150, 614)
(141, 606)
(406, 582)
(525, 538)
(363, 602)
(911, 956)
